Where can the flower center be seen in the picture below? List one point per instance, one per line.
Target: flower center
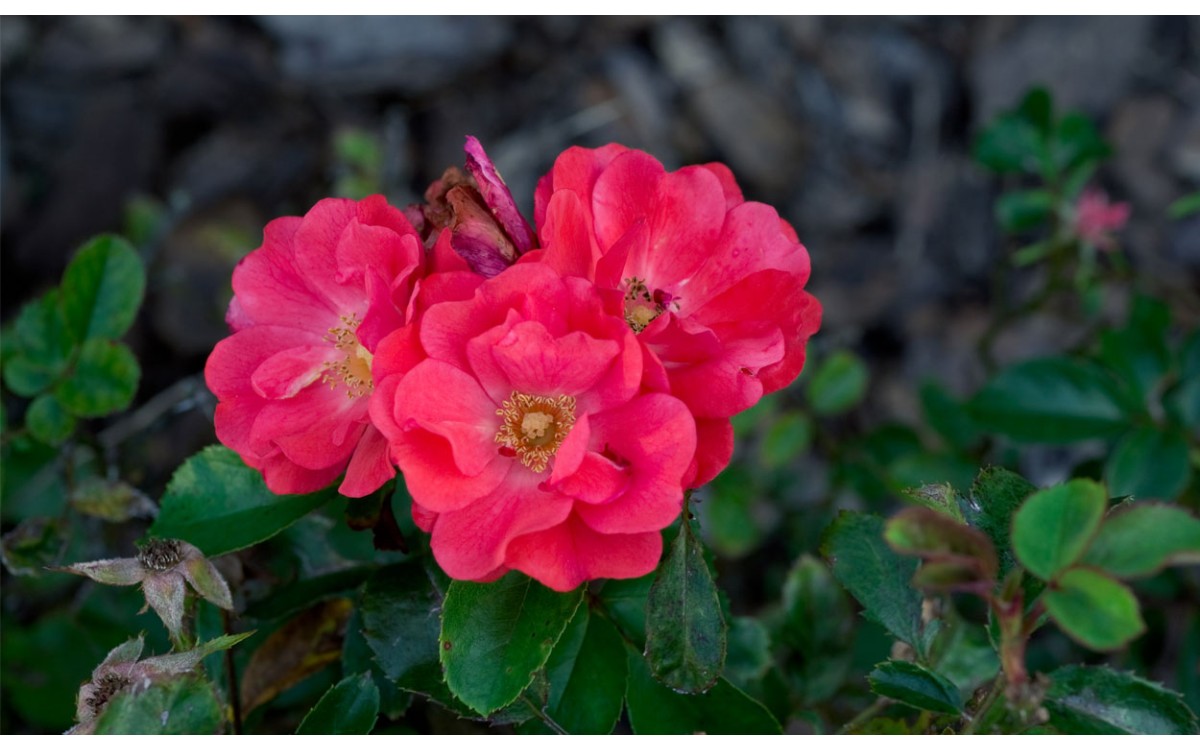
(160, 554)
(534, 426)
(642, 306)
(106, 687)
(353, 372)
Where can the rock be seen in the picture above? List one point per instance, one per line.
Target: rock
(1088, 63)
(368, 54)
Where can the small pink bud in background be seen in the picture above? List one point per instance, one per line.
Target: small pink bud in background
(1096, 218)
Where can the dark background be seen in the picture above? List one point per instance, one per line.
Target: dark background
(857, 130)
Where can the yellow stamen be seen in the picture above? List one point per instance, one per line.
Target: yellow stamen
(353, 372)
(535, 426)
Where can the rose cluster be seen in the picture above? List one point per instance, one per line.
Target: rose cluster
(548, 392)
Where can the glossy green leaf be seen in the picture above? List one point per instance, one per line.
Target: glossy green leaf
(878, 577)
(625, 602)
(936, 497)
(685, 632)
(495, 636)
(400, 614)
(349, 707)
(219, 504)
(48, 421)
(656, 709)
(1149, 463)
(995, 496)
(1051, 401)
(965, 656)
(290, 598)
(184, 705)
(1095, 610)
(916, 686)
(35, 544)
(102, 289)
(1053, 528)
(1038, 109)
(749, 653)
(1140, 539)
(103, 380)
(1021, 210)
(838, 383)
(1139, 351)
(41, 347)
(587, 672)
(787, 439)
(1099, 700)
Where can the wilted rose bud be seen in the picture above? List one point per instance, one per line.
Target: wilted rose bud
(488, 231)
(163, 567)
(121, 671)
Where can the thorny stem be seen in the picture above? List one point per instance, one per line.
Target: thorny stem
(864, 716)
(538, 712)
(235, 699)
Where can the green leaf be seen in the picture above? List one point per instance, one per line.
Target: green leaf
(289, 599)
(219, 504)
(102, 289)
(35, 544)
(400, 614)
(916, 686)
(1021, 210)
(587, 672)
(1011, 143)
(1032, 253)
(819, 624)
(1077, 141)
(730, 525)
(1149, 463)
(1053, 528)
(1140, 539)
(1185, 206)
(948, 416)
(186, 705)
(1095, 610)
(685, 632)
(965, 656)
(1038, 109)
(349, 707)
(104, 380)
(838, 383)
(656, 709)
(878, 577)
(42, 347)
(936, 497)
(1099, 700)
(48, 421)
(625, 601)
(749, 655)
(495, 636)
(1051, 401)
(788, 438)
(995, 496)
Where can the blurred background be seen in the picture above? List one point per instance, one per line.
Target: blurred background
(189, 134)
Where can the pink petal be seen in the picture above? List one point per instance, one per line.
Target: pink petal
(285, 374)
(535, 362)
(570, 553)
(448, 402)
(570, 246)
(370, 468)
(575, 169)
(471, 542)
(714, 449)
(624, 194)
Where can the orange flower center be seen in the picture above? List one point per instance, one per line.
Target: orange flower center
(353, 372)
(642, 306)
(534, 426)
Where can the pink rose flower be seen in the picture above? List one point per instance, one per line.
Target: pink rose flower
(713, 285)
(309, 308)
(526, 435)
(1096, 218)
